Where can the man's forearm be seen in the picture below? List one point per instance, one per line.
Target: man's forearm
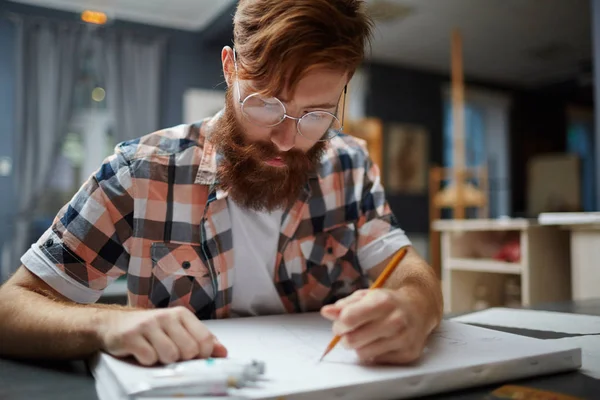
(417, 279)
(33, 325)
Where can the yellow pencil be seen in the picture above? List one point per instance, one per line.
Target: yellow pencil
(380, 281)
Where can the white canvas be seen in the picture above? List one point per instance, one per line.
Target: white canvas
(457, 356)
(590, 350)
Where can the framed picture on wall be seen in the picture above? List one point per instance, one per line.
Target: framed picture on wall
(407, 158)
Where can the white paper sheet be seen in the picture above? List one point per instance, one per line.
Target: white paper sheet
(536, 320)
(457, 356)
(590, 346)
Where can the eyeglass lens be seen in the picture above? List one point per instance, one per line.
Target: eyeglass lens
(268, 112)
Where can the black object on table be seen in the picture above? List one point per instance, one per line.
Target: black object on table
(52, 380)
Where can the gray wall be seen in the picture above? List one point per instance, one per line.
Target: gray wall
(399, 94)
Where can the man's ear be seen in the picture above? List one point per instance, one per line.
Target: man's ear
(228, 65)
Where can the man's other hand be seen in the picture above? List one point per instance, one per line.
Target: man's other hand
(163, 335)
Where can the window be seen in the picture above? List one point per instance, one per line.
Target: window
(580, 140)
(486, 142)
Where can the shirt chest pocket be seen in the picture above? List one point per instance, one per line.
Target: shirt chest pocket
(180, 278)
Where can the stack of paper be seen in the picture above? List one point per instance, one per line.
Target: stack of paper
(457, 356)
(576, 329)
(569, 218)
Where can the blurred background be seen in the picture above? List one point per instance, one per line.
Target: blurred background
(477, 112)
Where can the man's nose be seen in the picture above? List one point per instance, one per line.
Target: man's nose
(284, 135)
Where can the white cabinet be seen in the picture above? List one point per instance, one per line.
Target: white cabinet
(471, 267)
(584, 230)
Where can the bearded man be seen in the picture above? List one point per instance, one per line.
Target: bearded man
(265, 208)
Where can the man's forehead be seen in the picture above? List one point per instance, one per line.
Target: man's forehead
(322, 86)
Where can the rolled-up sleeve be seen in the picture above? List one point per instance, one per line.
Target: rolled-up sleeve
(379, 234)
(85, 248)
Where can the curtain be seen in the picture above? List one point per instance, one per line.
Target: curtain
(475, 153)
(47, 61)
(133, 72)
(49, 57)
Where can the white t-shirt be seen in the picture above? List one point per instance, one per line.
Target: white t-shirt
(255, 239)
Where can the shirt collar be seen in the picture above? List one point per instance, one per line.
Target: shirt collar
(207, 170)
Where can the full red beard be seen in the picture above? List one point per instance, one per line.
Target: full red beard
(243, 173)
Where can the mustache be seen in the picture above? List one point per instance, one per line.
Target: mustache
(240, 151)
(243, 172)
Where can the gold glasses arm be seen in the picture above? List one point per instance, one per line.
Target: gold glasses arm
(343, 108)
(237, 81)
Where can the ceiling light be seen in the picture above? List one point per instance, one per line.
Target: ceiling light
(94, 17)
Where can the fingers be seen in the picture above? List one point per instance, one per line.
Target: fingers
(332, 311)
(404, 356)
(165, 347)
(397, 349)
(130, 342)
(142, 351)
(373, 331)
(205, 340)
(390, 349)
(165, 336)
(373, 306)
(219, 350)
(188, 346)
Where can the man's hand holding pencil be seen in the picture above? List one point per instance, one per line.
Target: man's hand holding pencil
(384, 325)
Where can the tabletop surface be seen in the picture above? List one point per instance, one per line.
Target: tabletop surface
(51, 380)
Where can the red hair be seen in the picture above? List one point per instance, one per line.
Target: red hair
(295, 37)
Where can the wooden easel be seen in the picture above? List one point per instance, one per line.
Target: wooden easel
(460, 194)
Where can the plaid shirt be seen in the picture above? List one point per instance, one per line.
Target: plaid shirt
(152, 212)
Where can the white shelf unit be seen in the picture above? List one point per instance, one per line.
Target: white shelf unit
(584, 229)
(468, 248)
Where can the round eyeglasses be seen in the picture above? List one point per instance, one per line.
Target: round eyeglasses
(267, 112)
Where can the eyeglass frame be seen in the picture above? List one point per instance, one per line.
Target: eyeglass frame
(285, 114)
